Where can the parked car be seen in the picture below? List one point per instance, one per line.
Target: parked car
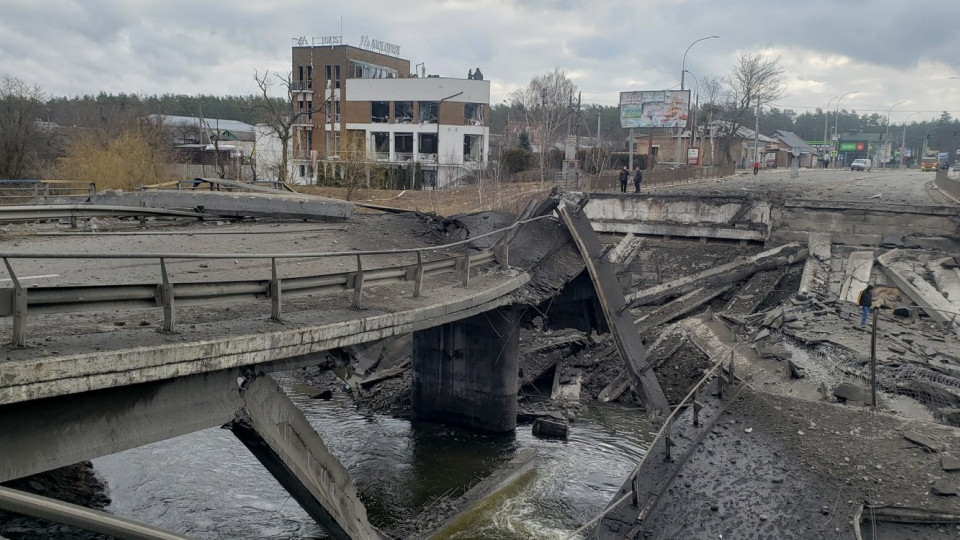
(860, 165)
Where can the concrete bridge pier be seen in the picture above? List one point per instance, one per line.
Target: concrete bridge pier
(465, 372)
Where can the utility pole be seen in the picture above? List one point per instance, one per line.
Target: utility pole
(756, 134)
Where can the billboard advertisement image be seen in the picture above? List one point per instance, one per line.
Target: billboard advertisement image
(654, 108)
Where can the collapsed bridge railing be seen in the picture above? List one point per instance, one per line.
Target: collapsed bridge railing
(20, 301)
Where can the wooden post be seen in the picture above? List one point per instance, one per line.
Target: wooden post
(466, 267)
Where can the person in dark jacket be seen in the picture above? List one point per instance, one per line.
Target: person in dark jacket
(865, 302)
(624, 174)
(637, 179)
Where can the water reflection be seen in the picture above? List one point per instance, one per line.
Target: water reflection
(207, 485)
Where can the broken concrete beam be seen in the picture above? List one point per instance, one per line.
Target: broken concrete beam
(515, 469)
(720, 275)
(234, 204)
(614, 389)
(947, 280)
(679, 306)
(282, 439)
(752, 294)
(796, 372)
(550, 428)
(610, 296)
(816, 269)
(914, 286)
(627, 246)
(385, 374)
(715, 339)
(856, 275)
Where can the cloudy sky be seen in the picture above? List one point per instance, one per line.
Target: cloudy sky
(886, 50)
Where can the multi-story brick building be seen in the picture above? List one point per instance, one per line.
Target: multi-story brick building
(345, 97)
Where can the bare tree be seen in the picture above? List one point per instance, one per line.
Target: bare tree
(754, 80)
(20, 135)
(712, 91)
(277, 114)
(546, 106)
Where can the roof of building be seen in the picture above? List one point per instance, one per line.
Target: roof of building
(793, 140)
(213, 124)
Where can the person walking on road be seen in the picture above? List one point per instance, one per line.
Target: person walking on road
(624, 173)
(637, 179)
(865, 301)
(756, 167)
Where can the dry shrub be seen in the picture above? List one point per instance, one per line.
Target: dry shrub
(133, 157)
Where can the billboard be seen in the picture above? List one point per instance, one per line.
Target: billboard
(654, 108)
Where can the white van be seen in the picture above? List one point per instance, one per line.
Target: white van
(860, 165)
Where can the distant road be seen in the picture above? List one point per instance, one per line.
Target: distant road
(896, 187)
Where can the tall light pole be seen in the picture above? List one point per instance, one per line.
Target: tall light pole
(903, 140)
(683, 64)
(837, 123)
(683, 70)
(826, 117)
(886, 137)
(696, 111)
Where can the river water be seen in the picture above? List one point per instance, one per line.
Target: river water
(207, 485)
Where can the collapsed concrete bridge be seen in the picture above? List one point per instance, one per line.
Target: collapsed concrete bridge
(96, 395)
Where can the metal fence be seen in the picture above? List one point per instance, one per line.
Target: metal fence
(610, 180)
(19, 301)
(17, 192)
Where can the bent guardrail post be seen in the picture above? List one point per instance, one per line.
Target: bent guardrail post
(418, 281)
(166, 296)
(274, 291)
(465, 269)
(358, 285)
(19, 308)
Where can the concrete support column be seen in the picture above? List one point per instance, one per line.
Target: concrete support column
(465, 372)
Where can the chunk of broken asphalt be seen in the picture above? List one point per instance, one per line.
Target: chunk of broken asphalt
(949, 463)
(943, 488)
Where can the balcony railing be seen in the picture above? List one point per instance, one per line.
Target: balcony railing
(301, 86)
(426, 158)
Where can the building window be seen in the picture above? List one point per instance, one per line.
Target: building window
(403, 112)
(336, 76)
(334, 108)
(327, 81)
(472, 147)
(363, 70)
(381, 144)
(403, 146)
(473, 114)
(428, 112)
(301, 171)
(299, 73)
(379, 112)
(309, 73)
(427, 146)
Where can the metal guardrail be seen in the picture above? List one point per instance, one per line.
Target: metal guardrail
(13, 192)
(663, 434)
(20, 301)
(76, 211)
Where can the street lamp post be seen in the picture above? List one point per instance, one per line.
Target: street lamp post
(903, 140)
(696, 111)
(837, 123)
(683, 69)
(886, 137)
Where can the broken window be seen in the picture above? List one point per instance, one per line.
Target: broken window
(403, 112)
(381, 144)
(427, 146)
(428, 112)
(379, 112)
(473, 114)
(336, 76)
(363, 70)
(334, 109)
(403, 146)
(472, 147)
